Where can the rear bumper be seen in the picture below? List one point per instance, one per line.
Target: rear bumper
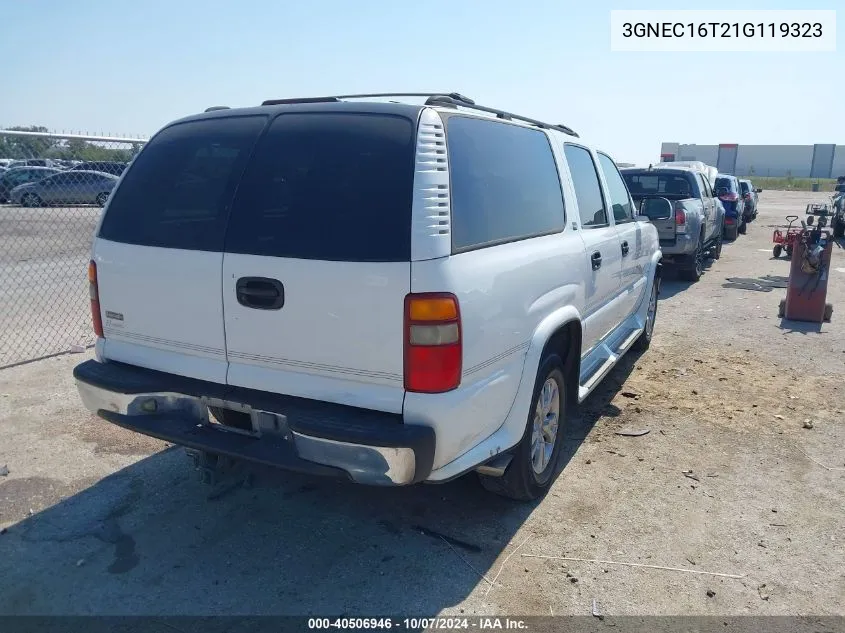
(683, 244)
(368, 447)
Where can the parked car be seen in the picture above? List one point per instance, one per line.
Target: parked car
(114, 168)
(15, 176)
(749, 195)
(694, 229)
(35, 162)
(66, 187)
(728, 191)
(500, 266)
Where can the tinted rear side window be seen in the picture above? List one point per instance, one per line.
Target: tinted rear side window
(335, 187)
(504, 183)
(728, 183)
(585, 181)
(655, 183)
(178, 190)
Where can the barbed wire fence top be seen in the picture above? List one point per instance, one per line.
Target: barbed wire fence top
(52, 190)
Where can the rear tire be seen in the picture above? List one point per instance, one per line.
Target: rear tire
(643, 342)
(522, 480)
(839, 227)
(31, 200)
(694, 264)
(716, 251)
(743, 228)
(731, 233)
(789, 252)
(777, 250)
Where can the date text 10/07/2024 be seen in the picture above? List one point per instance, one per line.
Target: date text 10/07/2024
(721, 29)
(416, 624)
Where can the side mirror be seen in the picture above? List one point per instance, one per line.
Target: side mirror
(758, 191)
(656, 208)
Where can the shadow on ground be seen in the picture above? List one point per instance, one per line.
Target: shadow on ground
(152, 539)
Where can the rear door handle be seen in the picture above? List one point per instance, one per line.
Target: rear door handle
(624, 248)
(595, 259)
(261, 293)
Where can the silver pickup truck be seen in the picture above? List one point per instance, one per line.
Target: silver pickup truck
(694, 231)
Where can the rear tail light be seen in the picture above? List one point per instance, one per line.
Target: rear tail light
(94, 293)
(680, 218)
(729, 197)
(433, 349)
(729, 220)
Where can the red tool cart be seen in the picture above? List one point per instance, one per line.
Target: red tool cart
(806, 291)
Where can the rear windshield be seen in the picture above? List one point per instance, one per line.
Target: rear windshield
(668, 184)
(177, 193)
(727, 183)
(744, 187)
(314, 186)
(328, 186)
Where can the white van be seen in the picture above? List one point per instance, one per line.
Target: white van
(389, 292)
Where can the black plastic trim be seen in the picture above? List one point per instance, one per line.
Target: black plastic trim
(267, 450)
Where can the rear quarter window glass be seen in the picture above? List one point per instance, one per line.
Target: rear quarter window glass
(336, 187)
(178, 190)
(585, 181)
(728, 183)
(504, 183)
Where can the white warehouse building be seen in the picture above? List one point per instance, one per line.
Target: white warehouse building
(798, 161)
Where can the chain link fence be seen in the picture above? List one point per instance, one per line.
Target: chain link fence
(52, 190)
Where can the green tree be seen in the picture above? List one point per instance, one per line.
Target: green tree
(20, 147)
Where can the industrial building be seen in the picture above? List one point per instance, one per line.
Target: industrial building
(798, 161)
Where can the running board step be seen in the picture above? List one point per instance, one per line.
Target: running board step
(629, 340)
(596, 377)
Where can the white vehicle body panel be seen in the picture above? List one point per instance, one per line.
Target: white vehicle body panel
(338, 338)
(162, 308)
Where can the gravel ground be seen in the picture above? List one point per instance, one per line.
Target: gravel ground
(727, 481)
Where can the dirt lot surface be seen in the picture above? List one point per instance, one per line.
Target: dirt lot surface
(727, 481)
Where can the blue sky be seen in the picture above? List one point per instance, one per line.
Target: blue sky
(128, 68)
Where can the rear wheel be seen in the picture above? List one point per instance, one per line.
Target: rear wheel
(839, 227)
(743, 228)
(694, 264)
(731, 233)
(534, 465)
(716, 251)
(31, 200)
(789, 252)
(777, 250)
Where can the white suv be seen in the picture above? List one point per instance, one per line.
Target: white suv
(390, 292)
